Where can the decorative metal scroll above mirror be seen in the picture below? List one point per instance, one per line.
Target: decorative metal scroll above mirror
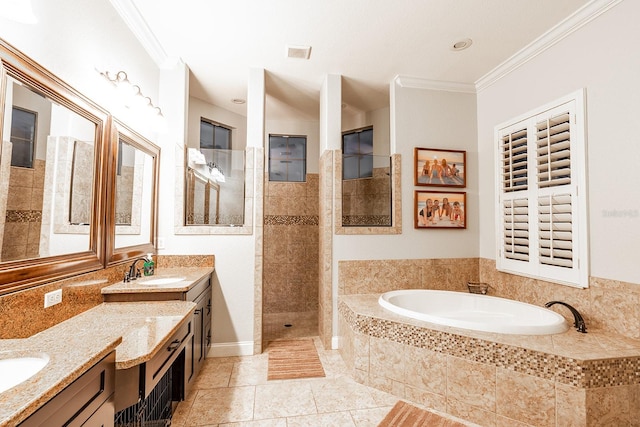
(50, 158)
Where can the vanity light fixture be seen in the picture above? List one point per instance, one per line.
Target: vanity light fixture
(132, 95)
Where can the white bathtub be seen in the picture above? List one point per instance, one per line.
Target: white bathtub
(473, 311)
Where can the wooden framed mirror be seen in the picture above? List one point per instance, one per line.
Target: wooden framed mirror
(51, 176)
(132, 195)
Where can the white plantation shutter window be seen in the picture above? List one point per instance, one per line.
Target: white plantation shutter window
(516, 229)
(555, 230)
(514, 161)
(541, 177)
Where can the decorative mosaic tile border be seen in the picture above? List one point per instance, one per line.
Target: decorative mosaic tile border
(291, 220)
(584, 374)
(367, 220)
(23, 216)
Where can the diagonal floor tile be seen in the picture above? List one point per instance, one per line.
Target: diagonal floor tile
(284, 399)
(341, 394)
(221, 405)
(338, 419)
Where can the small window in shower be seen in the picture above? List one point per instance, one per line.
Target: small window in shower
(287, 158)
(23, 137)
(357, 153)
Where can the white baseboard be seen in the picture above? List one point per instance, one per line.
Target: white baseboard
(335, 343)
(227, 349)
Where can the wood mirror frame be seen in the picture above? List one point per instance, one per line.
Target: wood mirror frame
(30, 272)
(117, 255)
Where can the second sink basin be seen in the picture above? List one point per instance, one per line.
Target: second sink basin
(15, 368)
(161, 281)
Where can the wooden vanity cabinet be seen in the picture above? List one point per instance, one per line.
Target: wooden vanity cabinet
(202, 332)
(200, 294)
(88, 401)
(137, 382)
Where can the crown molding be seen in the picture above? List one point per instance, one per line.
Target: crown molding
(581, 17)
(420, 83)
(140, 29)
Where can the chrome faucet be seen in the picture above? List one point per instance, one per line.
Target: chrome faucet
(133, 273)
(578, 320)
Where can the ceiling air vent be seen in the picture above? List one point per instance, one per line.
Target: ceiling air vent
(298, 52)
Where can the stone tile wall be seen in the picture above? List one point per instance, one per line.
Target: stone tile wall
(606, 304)
(291, 254)
(23, 219)
(378, 276)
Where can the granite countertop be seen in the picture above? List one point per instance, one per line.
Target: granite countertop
(597, 344)
(189, 276)
(134, 329)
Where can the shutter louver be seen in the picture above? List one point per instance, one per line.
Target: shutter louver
(514, 161)
(553, 156)
(555, 230)
(516, 229)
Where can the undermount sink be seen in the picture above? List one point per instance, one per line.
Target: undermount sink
(161, 281)
(15, 369)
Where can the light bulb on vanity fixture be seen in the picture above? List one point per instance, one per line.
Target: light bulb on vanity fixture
(132, 97)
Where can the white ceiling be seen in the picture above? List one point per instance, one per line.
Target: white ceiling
(368, 42)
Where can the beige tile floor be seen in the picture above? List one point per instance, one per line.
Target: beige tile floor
(234, 391)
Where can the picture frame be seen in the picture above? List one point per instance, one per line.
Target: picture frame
(450, 167)
(451, 216)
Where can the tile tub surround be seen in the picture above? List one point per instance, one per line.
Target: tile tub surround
(564, 379)
(378, 276)
(594, 303)
(77, 344)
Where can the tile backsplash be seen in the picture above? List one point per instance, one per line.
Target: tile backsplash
(22, 314)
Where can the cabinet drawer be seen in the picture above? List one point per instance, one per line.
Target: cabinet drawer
(155, 368)
(81, 399)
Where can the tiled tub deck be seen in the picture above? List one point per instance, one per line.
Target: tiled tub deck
(568, 379)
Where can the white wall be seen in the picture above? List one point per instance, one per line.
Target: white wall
(72, 39)
(199, 109)
(600, 57)
(430, 119)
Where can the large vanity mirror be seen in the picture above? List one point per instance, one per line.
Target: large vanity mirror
(132, 205)
(50, 176)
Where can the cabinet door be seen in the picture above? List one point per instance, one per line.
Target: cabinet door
(103, 417)
(199, 330)
(74, 405)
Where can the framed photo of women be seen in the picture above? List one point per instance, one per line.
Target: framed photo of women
(443, 168)
(439, 209)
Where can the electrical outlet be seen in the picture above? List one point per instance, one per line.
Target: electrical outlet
(52, 298)
(160, 244)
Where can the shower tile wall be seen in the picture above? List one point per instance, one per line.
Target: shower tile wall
(290, 287)
(367, 201)
(23, 218)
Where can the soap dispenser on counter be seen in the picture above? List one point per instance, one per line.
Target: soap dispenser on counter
(149, 266)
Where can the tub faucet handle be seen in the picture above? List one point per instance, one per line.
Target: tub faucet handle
(578, 322)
